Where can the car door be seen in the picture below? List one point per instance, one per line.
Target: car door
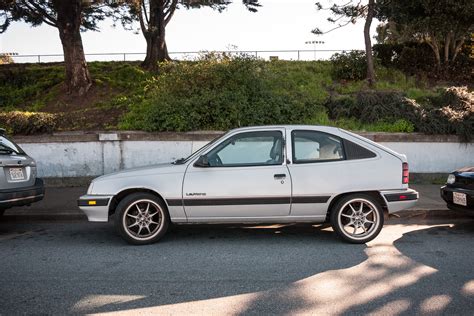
(317, 170)
(246, 177)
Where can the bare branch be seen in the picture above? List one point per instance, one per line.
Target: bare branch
(145, 14)
(170, 12)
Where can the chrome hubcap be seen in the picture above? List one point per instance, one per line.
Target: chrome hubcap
(143, 219)
(358, 218)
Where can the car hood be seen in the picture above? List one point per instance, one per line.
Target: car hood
(161, 168)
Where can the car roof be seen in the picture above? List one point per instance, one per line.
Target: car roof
(290, 127)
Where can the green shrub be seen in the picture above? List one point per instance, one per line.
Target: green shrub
(452, 112)
(221, 92)
(27, 123)
(374, 106)
(349, 65)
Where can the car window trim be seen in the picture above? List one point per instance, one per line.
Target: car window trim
(308, 161)
(283, 144)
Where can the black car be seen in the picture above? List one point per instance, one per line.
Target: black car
(459, 190)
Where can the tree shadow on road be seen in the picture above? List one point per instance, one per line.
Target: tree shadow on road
(193, 263)
(244, 269)
(426, 272)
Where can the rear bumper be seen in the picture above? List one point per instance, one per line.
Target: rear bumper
(399, 200)
(447, 195)
(22, 196)
(96, 207)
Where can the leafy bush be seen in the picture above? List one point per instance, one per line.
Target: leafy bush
(374, 106)
(414, 58)
(349, 65)
(452, 113)
(26, 123)
(221, 92)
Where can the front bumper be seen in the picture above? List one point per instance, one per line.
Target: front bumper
(447, 195)
(96, 207)
(22, 196)
(399, 200)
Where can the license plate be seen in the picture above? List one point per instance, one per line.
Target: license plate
(459, 198)
(17, 174)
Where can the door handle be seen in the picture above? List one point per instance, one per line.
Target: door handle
(279, 176)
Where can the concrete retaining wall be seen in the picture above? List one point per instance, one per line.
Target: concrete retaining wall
(91, 154)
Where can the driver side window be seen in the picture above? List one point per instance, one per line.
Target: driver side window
(249, 149)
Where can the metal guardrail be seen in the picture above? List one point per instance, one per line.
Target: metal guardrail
(296, 54)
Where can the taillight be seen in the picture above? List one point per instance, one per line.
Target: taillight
(405, 173)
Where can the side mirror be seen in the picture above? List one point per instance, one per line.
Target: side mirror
(202, 162)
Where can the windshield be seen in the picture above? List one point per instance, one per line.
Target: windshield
(198, 152)
(8, 147)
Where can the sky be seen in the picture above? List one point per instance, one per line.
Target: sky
(278, 25)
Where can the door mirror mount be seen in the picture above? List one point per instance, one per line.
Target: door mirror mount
(202, 162)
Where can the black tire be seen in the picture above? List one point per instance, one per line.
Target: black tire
(365, 222)
(134, 214)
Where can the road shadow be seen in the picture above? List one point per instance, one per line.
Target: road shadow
(428, 272)
(277, 269)
(78, 264)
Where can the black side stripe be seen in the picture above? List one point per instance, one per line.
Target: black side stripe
(248, 201)
(309, 199)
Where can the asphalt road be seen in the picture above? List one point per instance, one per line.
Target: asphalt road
(415, 266)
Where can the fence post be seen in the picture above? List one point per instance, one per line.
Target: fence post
(256, 54)
(124, 56)
(39, 58)
(298, 54)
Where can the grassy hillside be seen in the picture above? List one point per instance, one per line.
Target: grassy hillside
(217, 92)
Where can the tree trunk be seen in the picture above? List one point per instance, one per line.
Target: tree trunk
(433, 43)
(368, 43)
(156, 51)
(447, 45)
(155, 36)
(78, 80)
(458, 48)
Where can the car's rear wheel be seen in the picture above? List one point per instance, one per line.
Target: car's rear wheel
(357, 218)
(142, 218)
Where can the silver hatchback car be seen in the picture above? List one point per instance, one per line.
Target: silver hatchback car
(266, 174)
(18, 182)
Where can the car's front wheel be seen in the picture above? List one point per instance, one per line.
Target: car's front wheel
(357, 218)
(141, 218)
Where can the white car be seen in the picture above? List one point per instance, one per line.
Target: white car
(267, 174)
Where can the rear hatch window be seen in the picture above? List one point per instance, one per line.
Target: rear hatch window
(8, 147)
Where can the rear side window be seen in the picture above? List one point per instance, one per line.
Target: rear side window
(313, 146)
(354, 151)
(8, 147)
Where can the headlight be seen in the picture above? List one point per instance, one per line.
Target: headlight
(451, 179)
(89, 190)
